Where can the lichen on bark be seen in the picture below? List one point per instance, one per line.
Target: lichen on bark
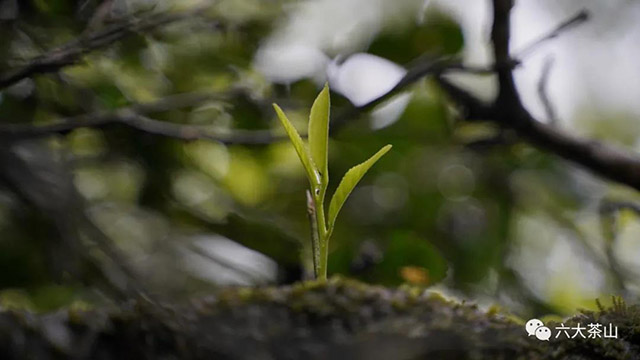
(337, 319)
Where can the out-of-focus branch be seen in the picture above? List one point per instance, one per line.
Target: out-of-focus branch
(336, 319)
(507, 111)
(419, 69)
(542, 91)
(610, 207)
(500, 35)
(73, 51)
(504, 64)
(134, 117)
(574, 21)
(609, 210)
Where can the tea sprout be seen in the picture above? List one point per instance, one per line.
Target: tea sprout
(314, 159)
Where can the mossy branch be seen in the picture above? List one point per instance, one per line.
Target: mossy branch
(337, 319)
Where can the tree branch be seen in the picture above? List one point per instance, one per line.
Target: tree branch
(542, 92)
(335, 319)
(71, 52)
(142, 123)
(419, 70)
(608, 207)
(500, 34)
(576, 20)
(507, 110)
(474, 108)
(134, 117)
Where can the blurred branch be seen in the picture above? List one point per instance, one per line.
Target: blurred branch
(419, 69)
(73, 51)
(500, 35)
(424, 67)
(610, 207)
(474, 108)
(609, 263)
(507, 111)
(609, 210)
(134, 117)
(573, 21)
(335, 319)
(542, 92)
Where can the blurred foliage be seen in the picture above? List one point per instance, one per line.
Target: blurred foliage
(433, 210)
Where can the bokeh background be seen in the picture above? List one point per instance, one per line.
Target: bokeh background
(496, 224)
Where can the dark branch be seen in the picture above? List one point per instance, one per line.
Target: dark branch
(605, 160)
(574, 21)
(500, 35)
(134, 117)
(508, 111)
(141, 123)
(474, 109)
(73, 51)
(419, 69)
(542, 92)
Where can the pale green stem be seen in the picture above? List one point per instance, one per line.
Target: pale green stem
(323, 234)
(315, 239)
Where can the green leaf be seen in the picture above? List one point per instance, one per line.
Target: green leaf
(349, 181)
(303, 153)
(319, 133)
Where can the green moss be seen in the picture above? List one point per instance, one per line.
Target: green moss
(337, 318)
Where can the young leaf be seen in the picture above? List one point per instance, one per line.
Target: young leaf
(319, 132)
(349, 181)
(302, 151)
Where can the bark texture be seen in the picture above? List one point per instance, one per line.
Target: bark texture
(338, 319)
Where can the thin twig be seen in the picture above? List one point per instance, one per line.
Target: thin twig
(422, 67)
(73, 51)
(133, 116)
(419, 69)
(608, 263)
(507, 111)
(542, 92)
(474, 109)
(578, 19)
